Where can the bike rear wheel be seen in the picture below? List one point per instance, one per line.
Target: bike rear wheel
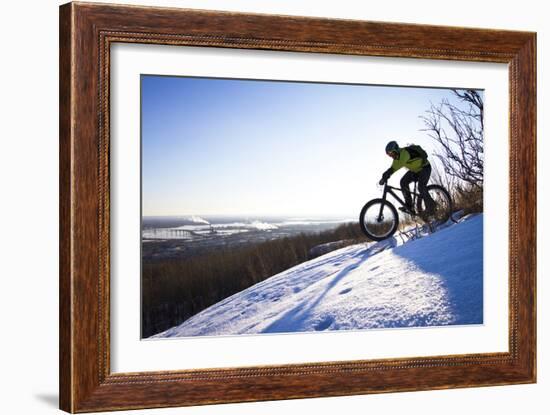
(378, 219)
(443, 205)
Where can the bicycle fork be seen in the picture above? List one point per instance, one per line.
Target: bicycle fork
(380, 215)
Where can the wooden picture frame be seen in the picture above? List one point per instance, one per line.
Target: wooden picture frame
(86, 33)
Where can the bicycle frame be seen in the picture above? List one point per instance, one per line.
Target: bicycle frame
(390, 189)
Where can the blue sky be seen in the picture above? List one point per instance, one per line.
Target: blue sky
(246, 147)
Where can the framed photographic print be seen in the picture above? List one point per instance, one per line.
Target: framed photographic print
(259, 207)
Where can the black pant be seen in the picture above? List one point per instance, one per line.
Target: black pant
(422, 177)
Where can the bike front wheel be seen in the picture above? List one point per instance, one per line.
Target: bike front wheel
(378, 219)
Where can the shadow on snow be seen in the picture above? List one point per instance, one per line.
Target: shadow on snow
(455, 254)
(289, 320)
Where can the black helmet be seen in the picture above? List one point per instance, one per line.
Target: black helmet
(392, 147)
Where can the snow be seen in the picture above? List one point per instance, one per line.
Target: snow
(432, 280)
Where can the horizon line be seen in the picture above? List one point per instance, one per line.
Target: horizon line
(247, 214)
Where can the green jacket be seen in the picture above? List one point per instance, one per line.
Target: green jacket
(405, 160)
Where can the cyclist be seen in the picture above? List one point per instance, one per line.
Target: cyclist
(415, 159)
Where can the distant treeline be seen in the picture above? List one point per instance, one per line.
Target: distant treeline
(176, 289)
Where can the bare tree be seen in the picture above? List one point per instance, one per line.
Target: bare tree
(438, 177)
(458, 131)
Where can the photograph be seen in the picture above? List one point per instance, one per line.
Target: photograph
(282, 206)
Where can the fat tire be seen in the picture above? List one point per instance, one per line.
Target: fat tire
(447, 195)
(362, 217)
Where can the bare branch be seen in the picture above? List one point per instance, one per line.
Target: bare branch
(458, 132)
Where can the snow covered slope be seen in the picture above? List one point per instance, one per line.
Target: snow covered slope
(431, 281)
